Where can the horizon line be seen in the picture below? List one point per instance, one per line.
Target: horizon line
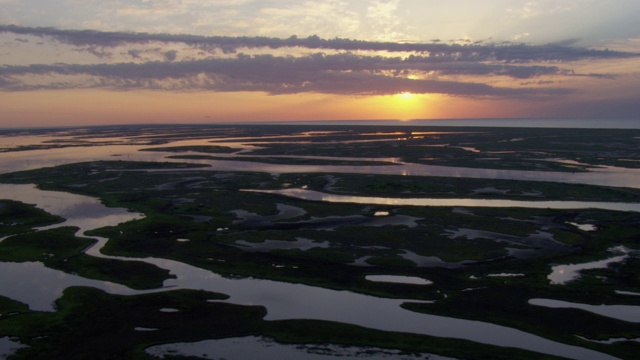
(588, 123)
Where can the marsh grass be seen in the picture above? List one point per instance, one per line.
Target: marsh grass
(17, 217)
(60, 249)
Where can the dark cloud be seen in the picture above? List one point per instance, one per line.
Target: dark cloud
(432, 68)
(539, 82)
(98, 51)
(171, 55)
(519, 71)
(627, 106)
(438, 51)
(6, 83)
(335, 74)
(136, 54)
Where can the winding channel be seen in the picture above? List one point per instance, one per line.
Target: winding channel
(38, 286)
(460, 202)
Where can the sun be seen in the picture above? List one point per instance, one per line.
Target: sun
(405, 95)
(404, 105)
(407, 105)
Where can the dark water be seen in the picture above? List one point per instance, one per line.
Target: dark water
(524, 123)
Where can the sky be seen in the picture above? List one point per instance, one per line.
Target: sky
(97, 62)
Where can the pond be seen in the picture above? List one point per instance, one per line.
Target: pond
(396, 279)
(562, 274)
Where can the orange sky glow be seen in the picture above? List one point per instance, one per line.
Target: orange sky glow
(229, 61)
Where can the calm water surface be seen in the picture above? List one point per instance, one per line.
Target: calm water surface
(34, 159)
(248, 347)
(399, 279)
(320, 196)
(8, 347)
(627, 313)
(564, 273)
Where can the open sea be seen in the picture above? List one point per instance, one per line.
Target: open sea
(524, 123)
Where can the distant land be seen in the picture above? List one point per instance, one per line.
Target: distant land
(576, 123)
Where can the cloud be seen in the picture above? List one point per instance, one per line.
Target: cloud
(337, 74)
(626, 107)
(476, 52)
(135, 53)
(312, 17)
(332, 66)
(171, 55)
(382, 19)
(530, 9)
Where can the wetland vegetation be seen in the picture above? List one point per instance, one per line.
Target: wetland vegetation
(199, 213)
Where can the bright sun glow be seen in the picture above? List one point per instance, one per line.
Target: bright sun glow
(405, 95)
(407, 105)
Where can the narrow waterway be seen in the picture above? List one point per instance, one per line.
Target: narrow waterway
(457, 202)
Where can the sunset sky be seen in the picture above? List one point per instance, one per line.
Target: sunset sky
(76, 62)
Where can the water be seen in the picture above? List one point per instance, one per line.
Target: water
(35, 159)
(538, 123)
(516, 123)
(81, 211)
(584, 227)
(301, 244)
(458, 202)
(627, 313)
(8, 347)
(39, 287)
(248, 347)
(396, 279)
(562, 274)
